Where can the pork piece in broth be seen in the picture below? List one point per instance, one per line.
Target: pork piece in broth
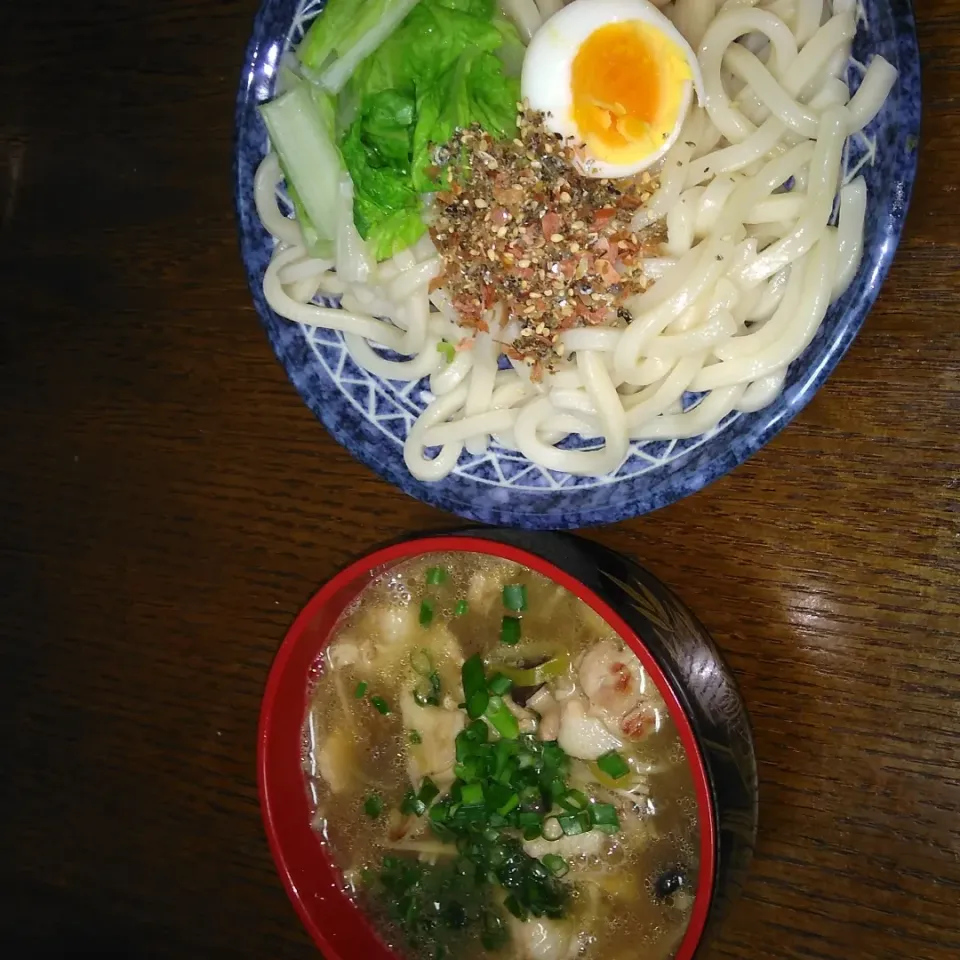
(495, 774)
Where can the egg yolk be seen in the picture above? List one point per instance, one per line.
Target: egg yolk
(628, 82)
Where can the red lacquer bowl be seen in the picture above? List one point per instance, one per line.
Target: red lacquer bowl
(672, 646)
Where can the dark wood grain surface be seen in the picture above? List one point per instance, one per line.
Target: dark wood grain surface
(167, 504)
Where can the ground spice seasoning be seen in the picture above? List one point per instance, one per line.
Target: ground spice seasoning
(520, 226)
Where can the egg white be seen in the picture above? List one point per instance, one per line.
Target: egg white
(545, 81)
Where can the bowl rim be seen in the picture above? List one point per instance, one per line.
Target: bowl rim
(359, 574)
(690, 472)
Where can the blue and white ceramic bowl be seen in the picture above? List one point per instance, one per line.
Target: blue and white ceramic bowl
(371, 416)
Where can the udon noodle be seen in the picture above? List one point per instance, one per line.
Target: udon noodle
(758, 245)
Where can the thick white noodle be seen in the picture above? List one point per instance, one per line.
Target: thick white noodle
(853, 213)
(751, 262)
(422, 365)
(265, 184)
(525, 14)
(480, 388)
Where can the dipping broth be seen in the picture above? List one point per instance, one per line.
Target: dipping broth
(495, 774)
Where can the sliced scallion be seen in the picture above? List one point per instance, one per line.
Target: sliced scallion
(510, 631)
(411, 805)
(373, 806)
(380, 705)
(573, 801)
(556, 864)
(573, 824)
(436, 576)
(613, 765)
(603, 816)
(515, 596)
(426, 613)
(474, 686)
(429, 792)
(504, 722)
(472, 795)
(499, 684)
(461, 608)
(361, 690)
(415, 738)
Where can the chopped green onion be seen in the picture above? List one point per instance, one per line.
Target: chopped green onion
(515, 596)
(499, 684)
(415, 738)
(573, 824)
(429, 792)
(472, 795)
(447, 349)
(436, 575)
(514, 906)
(461, 608)
(373, 806)
(421, 662)
(613, 765)
(504, 722)
(574, 801)
(478, 732)
(361, 690)
(427, 691)
(510, 631)
(509, 805)
(604, 817)
(381, 705)
(555, 667)
(474, 686)
(426, 613)
(556, 864)
(412, 805)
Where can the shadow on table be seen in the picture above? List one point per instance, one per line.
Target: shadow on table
(69, 946)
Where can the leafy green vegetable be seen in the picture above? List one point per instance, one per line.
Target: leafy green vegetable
(472, 90)
(347, 33)
(436, 72)
(301, 131)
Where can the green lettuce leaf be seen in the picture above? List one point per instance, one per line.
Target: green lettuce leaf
(376, 151)
(439, 70)
(473, 90)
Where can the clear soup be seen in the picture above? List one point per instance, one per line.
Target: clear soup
(495, 774)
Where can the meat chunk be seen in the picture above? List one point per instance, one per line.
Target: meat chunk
(435, 754)
(337, 759)
(613, 681)
(539, 939)
(582, 735)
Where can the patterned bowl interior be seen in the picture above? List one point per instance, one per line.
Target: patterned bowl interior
(371, 416)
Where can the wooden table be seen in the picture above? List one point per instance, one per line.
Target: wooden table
(167, 504)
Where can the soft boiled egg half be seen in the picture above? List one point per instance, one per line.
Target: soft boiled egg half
(616, 76)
